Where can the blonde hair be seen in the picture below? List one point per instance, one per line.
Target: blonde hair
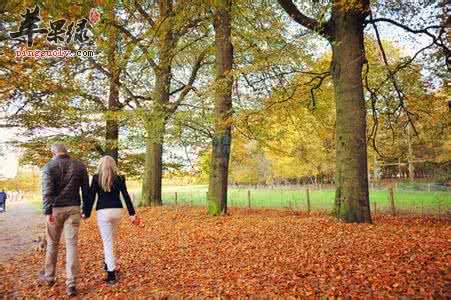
(107, 170)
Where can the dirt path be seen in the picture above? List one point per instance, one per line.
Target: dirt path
(19, 226)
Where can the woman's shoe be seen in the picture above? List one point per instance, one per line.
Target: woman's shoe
(111, 277)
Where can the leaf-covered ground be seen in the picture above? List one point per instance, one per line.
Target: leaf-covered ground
(183, 252)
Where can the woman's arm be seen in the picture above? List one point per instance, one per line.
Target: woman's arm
(93, 190)
(128, 201)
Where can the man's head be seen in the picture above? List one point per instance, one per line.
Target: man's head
(58, 149)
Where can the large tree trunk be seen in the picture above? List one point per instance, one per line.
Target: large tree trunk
(112, 124)
(219, 165)
(155, 127)
(352, 202)
(151, 193)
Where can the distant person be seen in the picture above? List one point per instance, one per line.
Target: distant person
(107, 184)
(3, 198)
(62, 180)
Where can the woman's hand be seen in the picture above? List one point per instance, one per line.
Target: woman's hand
(134, 219)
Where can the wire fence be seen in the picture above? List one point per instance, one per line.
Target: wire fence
(405, 198)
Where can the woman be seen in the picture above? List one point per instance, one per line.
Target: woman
(108, 186)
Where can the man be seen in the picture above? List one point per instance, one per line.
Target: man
(3, 200)
(62, 179)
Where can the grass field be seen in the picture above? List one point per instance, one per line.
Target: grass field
(407, 201)
(422, 202)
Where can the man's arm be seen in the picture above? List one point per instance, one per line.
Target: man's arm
(84, 187)
(48, 191)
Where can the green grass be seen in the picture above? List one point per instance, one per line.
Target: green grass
(409, 201)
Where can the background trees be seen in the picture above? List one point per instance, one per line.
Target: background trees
(159, 94)
(344, 29)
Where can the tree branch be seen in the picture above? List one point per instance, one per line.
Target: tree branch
(436, 39)
(137, 41)
(393, 78)
(302, 19)
(189, 86)
(99, 67)
(145, 14)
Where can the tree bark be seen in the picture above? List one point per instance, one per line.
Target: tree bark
(410, 154)
(348, 56)
(155, 127)
(112, 124)
(345, 32)
(219, 165)
(151, 193)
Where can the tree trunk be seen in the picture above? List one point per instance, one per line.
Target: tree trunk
(155, 128)
(375, 168)
(151, 193)
(156, 122)
(219, 165)
(112, 124)
(410, 153)
(351, 199)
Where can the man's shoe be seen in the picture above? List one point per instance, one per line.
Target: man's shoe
(44, 281)
(111, 277)
(71, 291)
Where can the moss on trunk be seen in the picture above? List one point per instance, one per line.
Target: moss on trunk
(352, 201)
(219, 165)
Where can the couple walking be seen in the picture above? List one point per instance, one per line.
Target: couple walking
(62, 180)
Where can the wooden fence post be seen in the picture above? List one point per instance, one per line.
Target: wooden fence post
(308, 200)
(249, 198)
(440, 208)
(392, 200)
(175, 198)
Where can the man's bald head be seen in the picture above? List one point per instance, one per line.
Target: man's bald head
(58, 149)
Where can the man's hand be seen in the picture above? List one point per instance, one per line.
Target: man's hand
(50, 219)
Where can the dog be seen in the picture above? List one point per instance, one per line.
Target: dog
(41, 244)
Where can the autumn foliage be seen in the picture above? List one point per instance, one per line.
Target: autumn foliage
(183, 252)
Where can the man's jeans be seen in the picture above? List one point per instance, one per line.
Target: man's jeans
(67, 219)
